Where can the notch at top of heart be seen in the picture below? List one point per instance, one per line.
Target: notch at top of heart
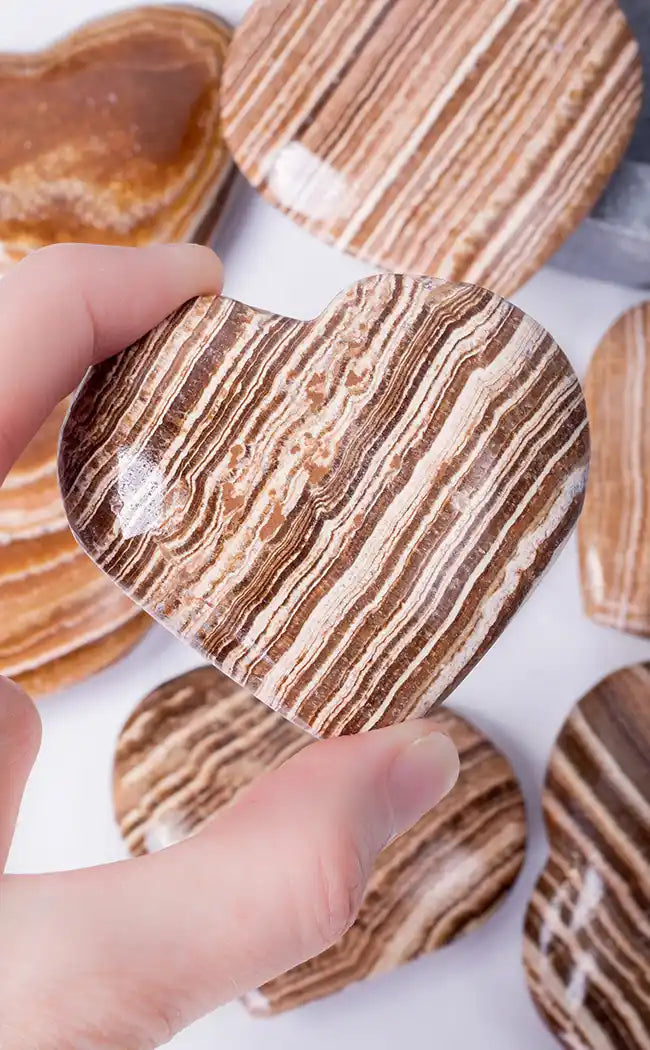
(342, 514)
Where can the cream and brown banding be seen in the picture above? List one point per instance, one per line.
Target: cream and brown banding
(188, 748)
(113, 134)
(192, 744)
(446, 137)
(341, 514)
(614, 531)
(62, 619)
(587, 941)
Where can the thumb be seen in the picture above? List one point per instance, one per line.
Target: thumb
(20, 738)
(273, 879)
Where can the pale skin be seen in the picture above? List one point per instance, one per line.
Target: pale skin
(124, 955)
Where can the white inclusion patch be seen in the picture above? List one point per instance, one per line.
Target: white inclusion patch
(141, 493)
(304, 183)
(168, 829)
(595, 575)
(256, 1001)
(591, 894)
(577, 987)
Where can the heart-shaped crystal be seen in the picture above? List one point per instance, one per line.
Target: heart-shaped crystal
(341, 514)
(113, 134)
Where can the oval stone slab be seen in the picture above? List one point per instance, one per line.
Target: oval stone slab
(341, 514)
(446, 137)
(113, 134)
(587, 944)
(614, 531)
(192, 744)
(62, 619)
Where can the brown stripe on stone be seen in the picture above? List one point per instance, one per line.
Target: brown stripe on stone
(614, 534)
(195, 742)
(461, 140)
(587, 934)
(62, 619)
(341, 514)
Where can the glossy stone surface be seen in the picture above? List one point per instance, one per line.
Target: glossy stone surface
(341, 514)
(62, 619)
(192, 744)
(614, 531)
(113, 134)
(458, 139)
(587, 944)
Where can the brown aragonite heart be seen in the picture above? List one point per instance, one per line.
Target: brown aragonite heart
(614, 531)
(453, 138)
(196, 741)
(341, 514)
(113, 134)
(587, 943)
(62, 619)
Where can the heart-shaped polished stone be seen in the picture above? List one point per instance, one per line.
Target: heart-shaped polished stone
(614, 531)
(113, 134)
(587, 944)
(341, 514)
(196, 741)
(62, 619)
(459, 139)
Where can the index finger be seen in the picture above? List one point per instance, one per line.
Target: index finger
(68, 306)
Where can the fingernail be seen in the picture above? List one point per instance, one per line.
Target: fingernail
(421, 775)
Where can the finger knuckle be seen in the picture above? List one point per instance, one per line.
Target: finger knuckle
(339, 888)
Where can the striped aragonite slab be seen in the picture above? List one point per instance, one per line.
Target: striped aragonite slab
(341, 514)
(614, 531)
(196, 741)
(587, 943)
(459, 139)
(113, 134)
(62, 619)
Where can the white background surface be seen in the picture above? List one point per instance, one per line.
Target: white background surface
(471, 995)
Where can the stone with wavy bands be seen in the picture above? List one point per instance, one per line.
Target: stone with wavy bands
(341, 514)
(465, 140)
(587, 943)
(614, 531)
(192, 744)
(62, 620)
(113, 134)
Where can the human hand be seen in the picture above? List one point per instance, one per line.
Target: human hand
(124, 955)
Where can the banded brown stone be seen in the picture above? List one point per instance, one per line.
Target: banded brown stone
(341, 514)
(587, 939)
(62, 619)
(458, 139)
(614, 531)
(195, 742)
(113, 134)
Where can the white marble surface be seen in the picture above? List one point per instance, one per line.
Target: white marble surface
(472, 994)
